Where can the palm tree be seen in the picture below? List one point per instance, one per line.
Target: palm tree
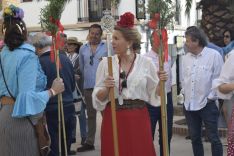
(217, 16)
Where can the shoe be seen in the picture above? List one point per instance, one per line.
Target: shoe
(71, 152)
(83, 141)
(187, 137)
(85, 148)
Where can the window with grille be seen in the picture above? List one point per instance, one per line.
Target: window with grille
(96, 8)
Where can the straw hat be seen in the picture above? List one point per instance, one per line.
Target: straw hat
(73, 40)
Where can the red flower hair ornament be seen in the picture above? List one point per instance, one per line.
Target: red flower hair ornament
(126, 20)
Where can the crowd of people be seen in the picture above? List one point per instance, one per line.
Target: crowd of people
(29, 87)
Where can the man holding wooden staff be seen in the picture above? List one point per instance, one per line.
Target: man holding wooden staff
(155, 112)
(42, 43)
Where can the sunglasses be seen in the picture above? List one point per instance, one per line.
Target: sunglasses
(124, 77)
(226, 36)
(91, 60)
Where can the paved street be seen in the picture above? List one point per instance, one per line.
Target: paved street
(179, 146)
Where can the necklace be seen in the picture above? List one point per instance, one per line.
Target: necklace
(124, 76)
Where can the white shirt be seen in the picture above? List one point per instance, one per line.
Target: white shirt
(141, 82)
(73, 57)
(198, 72)
(167, 67)
(226, 76)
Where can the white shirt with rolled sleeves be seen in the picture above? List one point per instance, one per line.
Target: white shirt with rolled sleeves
(167, 67)
(141, 82)
(226, 76)
(198, 72)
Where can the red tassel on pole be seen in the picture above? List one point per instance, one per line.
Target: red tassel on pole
(165, 43)
(52, 52)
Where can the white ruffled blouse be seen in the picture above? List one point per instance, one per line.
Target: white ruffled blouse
(141, 82)
(226, 76)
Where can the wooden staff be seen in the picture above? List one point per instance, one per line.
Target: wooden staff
(108, 25)
(163, 100)
(112, 99)
(60, 105)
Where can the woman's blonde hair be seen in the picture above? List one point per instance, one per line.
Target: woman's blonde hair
(132, 35)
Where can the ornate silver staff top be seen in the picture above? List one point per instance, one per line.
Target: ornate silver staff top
(108, 23)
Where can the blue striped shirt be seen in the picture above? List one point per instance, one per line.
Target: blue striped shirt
(88, 70)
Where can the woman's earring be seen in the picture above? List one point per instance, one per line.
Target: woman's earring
(128, 51)
(4, 31)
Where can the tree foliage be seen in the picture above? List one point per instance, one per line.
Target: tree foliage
(166, 10)
(51, 13)
(115, 2)
(206, 3)
(217, 16)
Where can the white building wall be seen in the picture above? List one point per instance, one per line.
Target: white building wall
(127, 6)
(70, 16)
(32, 12)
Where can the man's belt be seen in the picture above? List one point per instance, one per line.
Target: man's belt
(5, 100)
(210, 100)
(129, 104)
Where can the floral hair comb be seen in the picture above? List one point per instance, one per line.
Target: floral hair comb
(126, 20)
(13, 12)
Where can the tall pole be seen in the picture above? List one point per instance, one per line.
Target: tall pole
(163, 100)
(113, 106)
(108, 25)
(50, 21)
(60, 106)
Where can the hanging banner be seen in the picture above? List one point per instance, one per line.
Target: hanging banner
(140, 9)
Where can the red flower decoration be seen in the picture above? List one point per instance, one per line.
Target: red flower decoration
(156, 41)
(126, 20)
(153, 23)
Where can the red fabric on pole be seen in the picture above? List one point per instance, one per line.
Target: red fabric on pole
(165, 43)
(154, 22)
(52, 52)
(56, 39)
(156, 40)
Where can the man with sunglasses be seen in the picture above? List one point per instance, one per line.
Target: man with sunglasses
(90, 55)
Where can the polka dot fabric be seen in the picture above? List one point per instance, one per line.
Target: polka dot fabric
(230, 139)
